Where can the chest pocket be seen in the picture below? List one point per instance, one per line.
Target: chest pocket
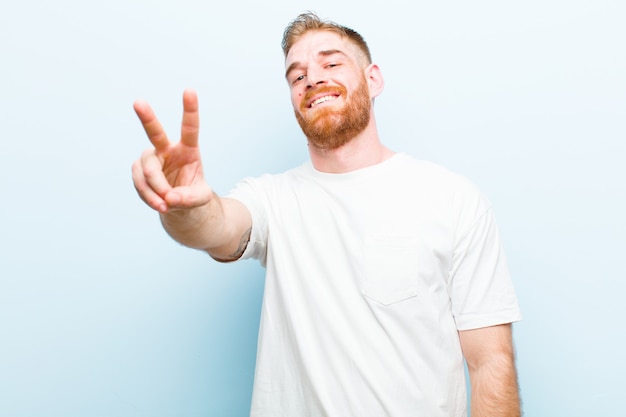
(391, 269)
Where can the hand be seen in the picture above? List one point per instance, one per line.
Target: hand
(170, 176)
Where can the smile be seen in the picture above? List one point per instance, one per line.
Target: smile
(322, 100)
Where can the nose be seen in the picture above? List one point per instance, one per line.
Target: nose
(315, 77)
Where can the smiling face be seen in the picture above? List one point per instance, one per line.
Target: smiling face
(329, 91)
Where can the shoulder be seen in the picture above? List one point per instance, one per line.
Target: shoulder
(266, 183)
(451, 191)
(433, 175)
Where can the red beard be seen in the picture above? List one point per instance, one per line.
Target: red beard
(330, 127)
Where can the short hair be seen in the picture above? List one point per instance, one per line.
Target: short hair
(309, 21)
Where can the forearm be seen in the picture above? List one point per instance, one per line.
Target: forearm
(220, 227)
(495, 391)
(190, 227)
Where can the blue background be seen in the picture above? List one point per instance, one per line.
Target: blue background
(101, 314)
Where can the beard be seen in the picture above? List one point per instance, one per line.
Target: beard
(329, 128)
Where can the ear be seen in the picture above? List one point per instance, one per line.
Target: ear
(374, 79)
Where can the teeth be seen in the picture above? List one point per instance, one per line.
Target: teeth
(322, 99)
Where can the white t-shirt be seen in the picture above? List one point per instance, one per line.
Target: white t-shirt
(370, 275)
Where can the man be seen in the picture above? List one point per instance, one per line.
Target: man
(383, 272)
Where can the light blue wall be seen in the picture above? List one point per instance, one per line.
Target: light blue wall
(101, 314)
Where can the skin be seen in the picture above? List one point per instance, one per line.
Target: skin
(491, 363)
(309, 66)
(169, 178)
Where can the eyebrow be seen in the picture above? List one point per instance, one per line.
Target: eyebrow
(327, 52)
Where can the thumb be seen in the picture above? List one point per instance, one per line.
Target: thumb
(189, 196)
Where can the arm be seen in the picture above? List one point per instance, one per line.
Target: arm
(221, 227)
(491, 362)
(169, 178)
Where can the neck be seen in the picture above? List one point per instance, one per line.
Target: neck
(362, 151)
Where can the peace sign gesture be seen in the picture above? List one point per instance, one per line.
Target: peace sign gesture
(170, 175)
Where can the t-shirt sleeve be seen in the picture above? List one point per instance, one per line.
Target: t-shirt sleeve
(249, 192)
(480, 286)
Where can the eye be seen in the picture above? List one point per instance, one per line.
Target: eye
(332, 65)
(298, 78)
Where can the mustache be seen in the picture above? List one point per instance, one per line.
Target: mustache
(321, 90)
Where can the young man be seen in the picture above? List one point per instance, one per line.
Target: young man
(383, 272)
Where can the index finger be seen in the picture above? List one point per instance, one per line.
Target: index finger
(191, 119)
(151, 125)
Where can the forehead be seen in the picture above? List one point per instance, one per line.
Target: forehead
(313, 43)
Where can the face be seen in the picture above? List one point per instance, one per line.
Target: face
(329, 91)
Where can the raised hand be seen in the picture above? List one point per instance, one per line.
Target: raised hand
(170, 175)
